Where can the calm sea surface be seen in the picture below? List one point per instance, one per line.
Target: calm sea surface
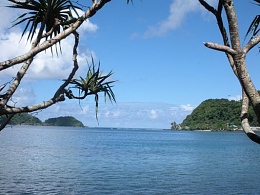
(51, 160)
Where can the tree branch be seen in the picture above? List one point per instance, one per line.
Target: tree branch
(61, 89)
(232, 23)
(219, 47)
(6, 121)
(253, 42)
(244, 120)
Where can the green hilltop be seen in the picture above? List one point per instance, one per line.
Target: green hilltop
(63, 121)
(27, 119)
(216, 114)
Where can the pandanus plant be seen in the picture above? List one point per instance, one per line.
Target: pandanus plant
(253, 28)
(94, 83)
(48, 15)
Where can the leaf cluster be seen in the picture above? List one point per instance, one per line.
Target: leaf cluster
(50, 14)
(94, 83)
(253, 28)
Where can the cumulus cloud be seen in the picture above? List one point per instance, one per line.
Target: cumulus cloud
(46, 65)
(179, 9)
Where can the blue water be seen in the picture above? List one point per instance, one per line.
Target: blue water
(51, 160)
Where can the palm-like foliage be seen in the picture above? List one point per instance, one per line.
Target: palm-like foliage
(253, 28)
(50, 14)
(94, 83)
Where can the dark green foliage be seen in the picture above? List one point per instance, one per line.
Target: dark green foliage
(23, 119)
(27, 119)
(44, 12)
(63, 121)
(217, 114)
(48, 15)
(94, 83)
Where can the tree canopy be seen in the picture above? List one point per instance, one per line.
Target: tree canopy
(217, 114)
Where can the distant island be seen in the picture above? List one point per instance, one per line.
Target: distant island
(27, 119)
(63, 121)
(215, 114)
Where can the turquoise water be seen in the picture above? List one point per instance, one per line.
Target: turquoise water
(51, 160)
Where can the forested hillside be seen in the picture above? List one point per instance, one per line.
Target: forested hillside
(217, 114)
(27, 119)
(63, 121)
(23, 119)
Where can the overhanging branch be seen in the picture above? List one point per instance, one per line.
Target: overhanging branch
(219, 47)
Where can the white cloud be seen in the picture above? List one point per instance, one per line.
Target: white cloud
(87, 26)
(45, 65)
(187, 107)
(132, 115)
(179, 9)
(153, 114)
(236, 98)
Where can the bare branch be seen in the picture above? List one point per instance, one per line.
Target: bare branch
(208, 7)
(219, 47)
(32, 108)
(232, 23)
(253, 42)
(6, 121)
(244, 120)
(61, 89)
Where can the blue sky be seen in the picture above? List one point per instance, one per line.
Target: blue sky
(155, 49)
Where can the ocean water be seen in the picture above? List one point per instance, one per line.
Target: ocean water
(59, 160)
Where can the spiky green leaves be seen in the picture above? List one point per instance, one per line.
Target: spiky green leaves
(94, 83)
(253, 28)
(48, 14)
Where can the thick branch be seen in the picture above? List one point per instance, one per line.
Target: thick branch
(244, 120)
(219, 47)
(16, 82)
(232, 23)
(253, 42)
(32, 108)
(6, 121)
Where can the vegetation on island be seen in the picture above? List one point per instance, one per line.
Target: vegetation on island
(27, 119)
(63, 121)
(215, 114)
(24, 119)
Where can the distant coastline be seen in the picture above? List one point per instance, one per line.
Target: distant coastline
(27, 119)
